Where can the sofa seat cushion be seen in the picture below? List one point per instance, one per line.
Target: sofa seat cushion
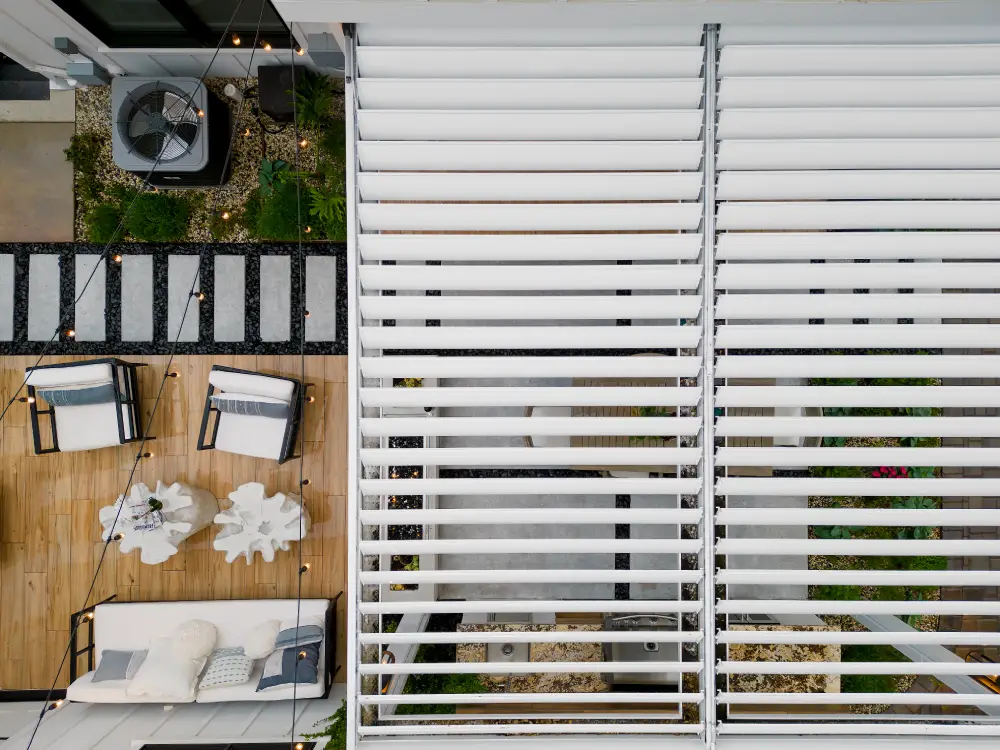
(248, 690)
(85, 690)
(260, 437)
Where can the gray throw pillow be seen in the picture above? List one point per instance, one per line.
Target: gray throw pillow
(286, 668)
(306, 634)
(251, 408)
(97, 394)
(118, 665)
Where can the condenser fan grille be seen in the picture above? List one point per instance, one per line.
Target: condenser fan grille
(160, 124)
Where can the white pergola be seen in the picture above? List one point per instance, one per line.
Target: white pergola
(699, 221)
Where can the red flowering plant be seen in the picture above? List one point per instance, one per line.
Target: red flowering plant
(892, 472)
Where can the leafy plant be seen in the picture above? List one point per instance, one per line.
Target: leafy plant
(313, 99)
(838, 593)
(839, 442)
(879, 683)
(158, 217)
(409, 383)
(922, 472)
(413, 564)
(329, 208)
(102, 222)
(333, 141)
(268, 175)
(279, 217)
(837, 532)
(335, 729)
(914, 503)
(913, 619)
(84, 151)
(915, 532)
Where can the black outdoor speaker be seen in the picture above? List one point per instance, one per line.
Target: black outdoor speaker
(274, 90)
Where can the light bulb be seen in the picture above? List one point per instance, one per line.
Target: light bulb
(246, 133)
(304, 568)
(118, 259)
(199, 295)
(306, 314)
(225, 216)
(311, 399)
(267, 47)
(305, 482)
(303, 143)
(201, 113)
(174, 374)
(308, 230)
(236, 40)
(299, 51)
(71, 333)
(90, 615)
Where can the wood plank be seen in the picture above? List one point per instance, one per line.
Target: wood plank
(59, 592)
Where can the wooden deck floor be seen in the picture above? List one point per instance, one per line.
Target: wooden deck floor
(49, 530)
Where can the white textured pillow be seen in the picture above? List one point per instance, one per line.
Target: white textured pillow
(226, 667)
(164, 676)
(259, 642)
(194, 639)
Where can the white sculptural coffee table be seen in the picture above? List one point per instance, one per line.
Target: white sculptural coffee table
(183, 511)
(258, 523)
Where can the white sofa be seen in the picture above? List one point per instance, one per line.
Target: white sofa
(130, 626)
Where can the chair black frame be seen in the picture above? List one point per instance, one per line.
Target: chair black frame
(291, 425)
(129, 398)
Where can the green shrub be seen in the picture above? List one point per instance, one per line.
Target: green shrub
(102, 223)
(84, 151)
(881, 683)
(926, 562)
(280, 212)
(333, 141)
(313, 99)
(158, 217)
(328, 212)
(335, 729)
(838, 593)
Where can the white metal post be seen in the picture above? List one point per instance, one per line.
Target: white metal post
(353, 390)
(708, 392)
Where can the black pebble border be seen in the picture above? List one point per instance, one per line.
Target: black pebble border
(113, 345)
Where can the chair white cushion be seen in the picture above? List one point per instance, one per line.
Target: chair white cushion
(165, 675)
(82, 428)
(260, 437)
(81, 374)
(252, 384)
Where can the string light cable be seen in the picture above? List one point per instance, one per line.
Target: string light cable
(300, 143)
(102, 258)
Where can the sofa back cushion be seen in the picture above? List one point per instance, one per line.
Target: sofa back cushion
(133, 625)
